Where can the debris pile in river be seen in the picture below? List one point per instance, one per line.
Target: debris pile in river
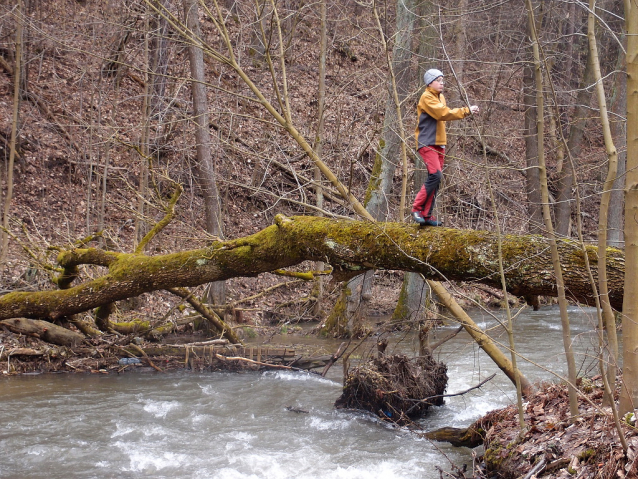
(24, 354)
(395, 388)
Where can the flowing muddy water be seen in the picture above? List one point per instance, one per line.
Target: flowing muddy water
(231, 426)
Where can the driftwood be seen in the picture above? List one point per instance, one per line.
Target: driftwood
(49, 352)
(4, 354)
(211, 352)
(334, 358)
(458, 437)
(49, 332)
(432, 399)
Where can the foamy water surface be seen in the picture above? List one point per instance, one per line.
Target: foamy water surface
(236, 426)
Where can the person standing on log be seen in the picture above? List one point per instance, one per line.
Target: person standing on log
(430, 135)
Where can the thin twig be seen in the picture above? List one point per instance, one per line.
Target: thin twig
(446, 338)
(425, 400)
(335, 357)
(537, 468)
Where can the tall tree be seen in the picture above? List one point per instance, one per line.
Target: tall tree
(616, 236)
(612, 157)
(17, 79)
(629, 391)
(415, 293)
(563, 209)
(356, 293)
(321, 106)
(206, 174)
(542, 170)
(532, 178)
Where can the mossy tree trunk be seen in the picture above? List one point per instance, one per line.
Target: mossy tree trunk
(348, 317)
(414, 291)
(206, 174)
(350, 247)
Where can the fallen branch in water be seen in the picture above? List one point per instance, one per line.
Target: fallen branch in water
(258, 363)
(143, 353)
(446, 339)
(335, 357)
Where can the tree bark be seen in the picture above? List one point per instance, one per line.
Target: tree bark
(532, 177)
(563, 208)
(205, 164)
(532, 174)
(358, 290)
(415, 294)
(629, 393)
(615, 236)
(321, 105)
(8, 197)
(549, 227)
(351, 247)
(51, 333)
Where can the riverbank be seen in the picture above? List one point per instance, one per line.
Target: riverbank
(590, 447)
(22, 354)
(553, 447)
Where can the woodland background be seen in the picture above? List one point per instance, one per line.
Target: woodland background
(99, 99)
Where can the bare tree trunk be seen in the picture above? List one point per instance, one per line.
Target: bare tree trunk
(413, 300)
(8, 197)
(532, 181)
(460, 52)
(391, 151)
(159, 62)
(415, 294)
(629, 393)
(558, 270)
(321, 103)
(141, 225)
(565, 199)
(154, 105)
(607, 314)
(615, 235)
(205, 166)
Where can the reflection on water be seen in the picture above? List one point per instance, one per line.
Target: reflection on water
(221, 425)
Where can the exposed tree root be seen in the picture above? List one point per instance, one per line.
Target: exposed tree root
(393, 387)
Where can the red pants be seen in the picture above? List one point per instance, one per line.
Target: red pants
(433, 157)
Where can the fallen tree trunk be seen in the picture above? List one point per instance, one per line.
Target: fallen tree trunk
(349, 246)
(49, 332)
(458, 437)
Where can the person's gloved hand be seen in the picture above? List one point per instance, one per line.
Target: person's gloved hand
(474, 109)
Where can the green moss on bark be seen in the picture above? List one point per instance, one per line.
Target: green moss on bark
(375, 176)
(337, 322)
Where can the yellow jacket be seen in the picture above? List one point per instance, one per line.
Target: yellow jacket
(432, 113)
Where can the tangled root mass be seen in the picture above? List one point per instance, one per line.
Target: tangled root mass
(395, 388)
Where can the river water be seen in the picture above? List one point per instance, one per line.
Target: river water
(232, 426)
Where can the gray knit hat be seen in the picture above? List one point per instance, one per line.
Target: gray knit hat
(431, 75)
